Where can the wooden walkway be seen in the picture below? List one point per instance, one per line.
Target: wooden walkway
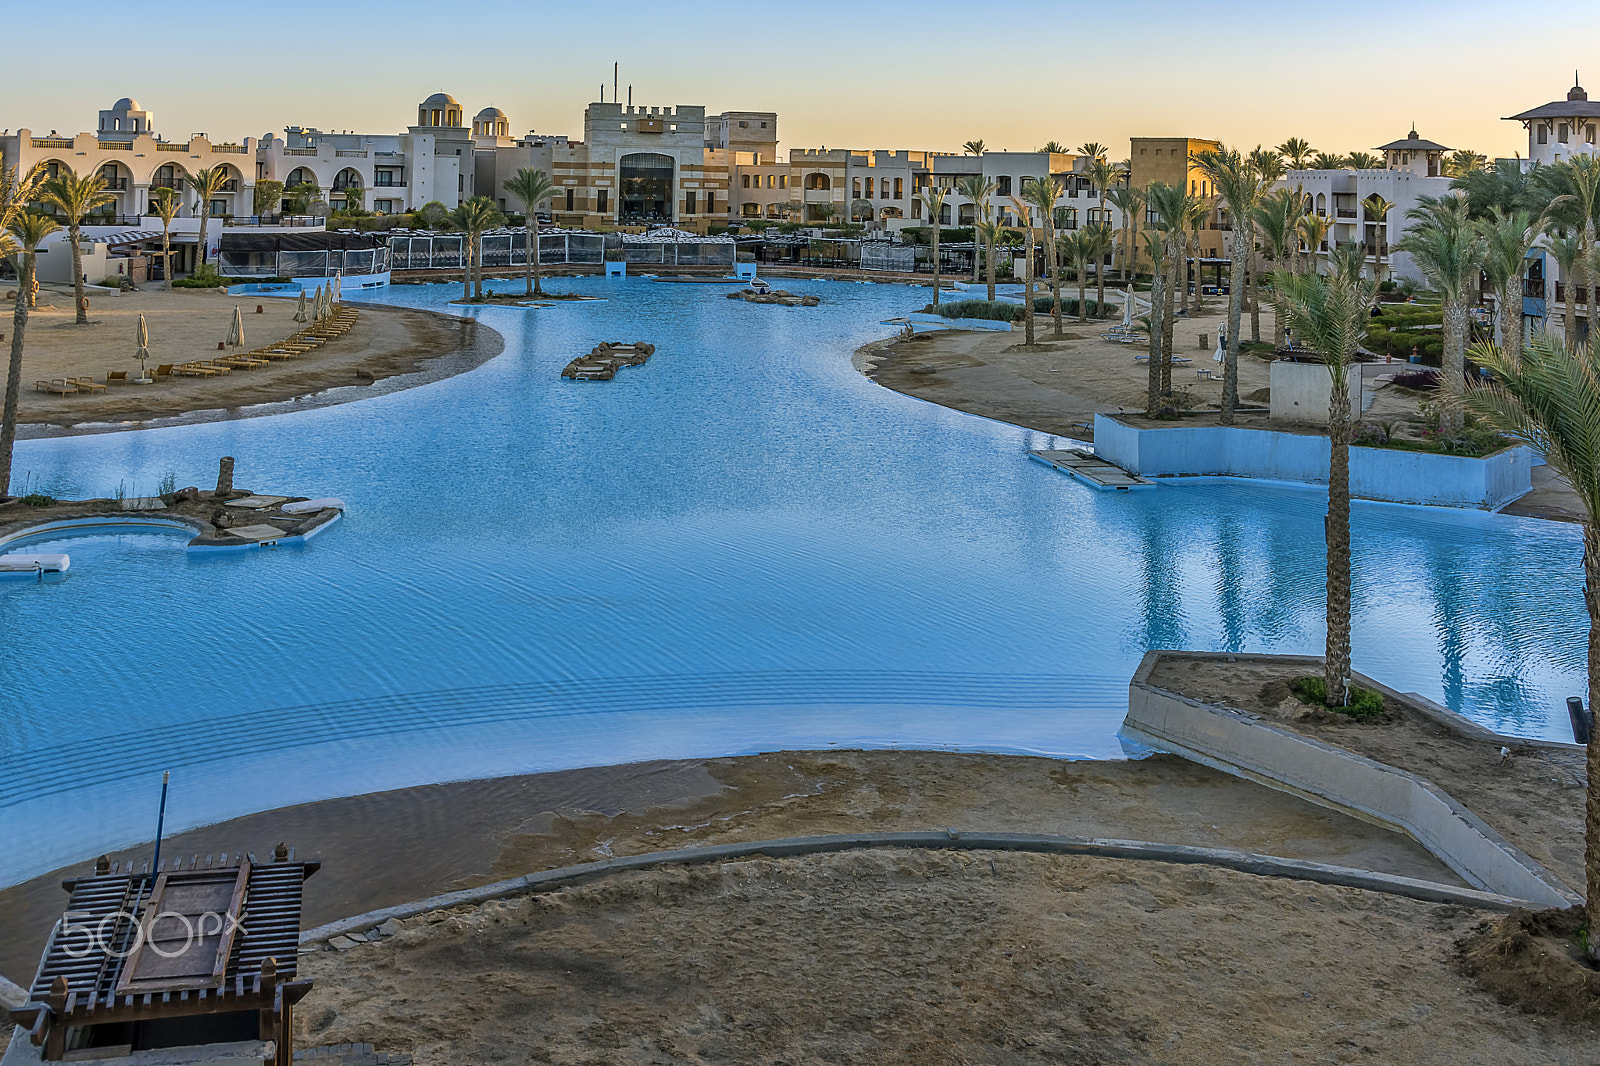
(1096, 473)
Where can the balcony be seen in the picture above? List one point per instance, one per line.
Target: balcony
(342, 154)
(1346, 212)
(1561, 294)
(115, 146)
(165, 147)
(116, 184)
(312, 152)
(233, 149)
(1533, 289)
(50, 142)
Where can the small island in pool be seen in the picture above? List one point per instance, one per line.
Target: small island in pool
(221, 518)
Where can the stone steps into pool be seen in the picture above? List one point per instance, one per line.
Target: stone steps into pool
(1094, 472)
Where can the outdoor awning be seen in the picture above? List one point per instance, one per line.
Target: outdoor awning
(669, 235)
(132, 236)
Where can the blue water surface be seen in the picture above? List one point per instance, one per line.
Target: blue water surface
(744, 545)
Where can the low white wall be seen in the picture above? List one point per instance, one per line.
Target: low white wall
(1301, 392)
(1387, 474)
(1244, 745)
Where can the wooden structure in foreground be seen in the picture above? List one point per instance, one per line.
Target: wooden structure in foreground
(191, 955)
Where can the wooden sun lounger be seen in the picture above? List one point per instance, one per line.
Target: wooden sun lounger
(244, 362)
(163, 371)
(193, 370)
(89, 385)
(55, 385)
(116, 377)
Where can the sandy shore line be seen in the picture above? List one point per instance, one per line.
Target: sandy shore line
(392, 847)
(388, 349)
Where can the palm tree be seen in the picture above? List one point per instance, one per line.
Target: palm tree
(1080, 248)
(1567, 251)
(301, 197)
(1507, 238)
(1297, 150)
(973, 147)
(934, 197)
(472, 218)
(1023, 210)
(28, 229)
(75, 197)
(1363, 161)
(1577, 206)
(1313, 233)
(1102, 174)
(1042, 193)
(1377, 209)
(1093, 150)
(1449, 252)
(1174, 208)
(206, 184)
(165, 203)
(990, 230)
(1268, 162)
(1156, 248)
(1464, 161)
(1276, 220)
(1506, 186)
(1326, 161)
(1330, 314)
(532, 187)
(1239, 185)
(1128, 202)
(978, 189)
(1054, 148)
(1550, 399)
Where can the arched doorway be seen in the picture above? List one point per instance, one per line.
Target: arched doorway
(646, 181)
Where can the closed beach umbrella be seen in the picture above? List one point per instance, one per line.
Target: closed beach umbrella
(1127, 308)
(338, 289)
(300, 311)
(316, 305)
(142, 339)
(236, 332)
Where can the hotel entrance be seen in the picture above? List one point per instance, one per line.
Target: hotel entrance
(646, 187)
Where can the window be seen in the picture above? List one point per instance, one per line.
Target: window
(1561, 133)
(1543, 133)
(688, 203)
(711, 203)
(383, 207)
(1070, 221)
(763, 125)
(783, 181)
(916, 208)
(869, 188)
(1588, 133)
(744, 125)
(855, 187)
(899, 188)
(747, 181)
(1322, 204)
(569, 199)
(1003, 185)
(944, 215)
(219, 207)
(600, 200)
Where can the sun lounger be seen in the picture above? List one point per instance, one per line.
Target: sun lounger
(58, 386)
(194, 370)
(89, 385)
(116, 377)
(244, 362)
(163, 371)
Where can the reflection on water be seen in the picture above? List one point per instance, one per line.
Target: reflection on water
(742, 545)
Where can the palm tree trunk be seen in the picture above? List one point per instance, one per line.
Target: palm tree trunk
(1453, 372)
(477, 266)
(1027, 288)
(537, 291)
(166, 257)
(77, 275)
(1100, 267)
(1183, 272)
(1591, 851)
(527, 252)
(1052, 265)
(1230, 358)
(19, 325)
(1511, 318)
(200, 249)
(1083, 302)
(1177, 271)
(1158, 311)
(1336, 658)
(988, 265)
(1255, 298)
(466, 267)
(936, 280)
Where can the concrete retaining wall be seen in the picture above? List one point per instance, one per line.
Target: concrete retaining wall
(1301, 392)
(1246, 746)
(1384, 474)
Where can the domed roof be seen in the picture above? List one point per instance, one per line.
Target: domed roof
(440, 100)
(489, 113)
(127, 103)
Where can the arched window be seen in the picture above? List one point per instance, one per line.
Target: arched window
(169, 176)
(869, 188)
(300, 176)
(855, 187)
(818, 181)
(1322, 204)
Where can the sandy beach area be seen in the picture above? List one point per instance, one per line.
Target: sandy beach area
(187, 324)
(879, 957)
(391, 847)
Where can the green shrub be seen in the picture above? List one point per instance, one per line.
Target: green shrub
(1000, 311)
(1365, 703)
(38, 499)
(947, 234)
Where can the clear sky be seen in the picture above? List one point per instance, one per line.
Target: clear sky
(861, 74)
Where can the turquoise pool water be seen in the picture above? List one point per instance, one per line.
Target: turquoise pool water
(743, 545)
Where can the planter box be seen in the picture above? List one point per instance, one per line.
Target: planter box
(1386, 474)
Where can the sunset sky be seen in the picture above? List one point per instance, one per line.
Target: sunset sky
(930, 74)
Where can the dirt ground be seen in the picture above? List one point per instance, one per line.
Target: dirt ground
(879, 957)
(187, 324)
(1533, 797)
(391, 847)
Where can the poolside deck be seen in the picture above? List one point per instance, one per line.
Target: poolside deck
(1094, 472)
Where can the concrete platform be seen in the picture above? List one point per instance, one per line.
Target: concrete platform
(1092, 471)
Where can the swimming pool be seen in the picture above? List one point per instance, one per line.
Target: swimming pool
(743, 545)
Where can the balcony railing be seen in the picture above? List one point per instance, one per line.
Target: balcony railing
(50, 142)
(343, 154)
(300, 151)
(1562, 290)
(1345, 212)
(115, 146)
(164, 147)
(1533, 289)
(116, 184)
(297, 221)
(235, 149)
